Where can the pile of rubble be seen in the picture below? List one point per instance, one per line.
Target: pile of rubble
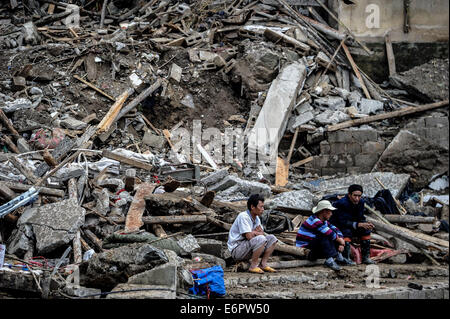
(96, 200)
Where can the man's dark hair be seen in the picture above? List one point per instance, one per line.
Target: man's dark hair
(253, 200)
(355, 187)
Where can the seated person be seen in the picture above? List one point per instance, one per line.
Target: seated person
(246, 239)
(349, 218)
(322, 238)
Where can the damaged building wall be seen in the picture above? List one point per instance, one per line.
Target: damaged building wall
(371, 20)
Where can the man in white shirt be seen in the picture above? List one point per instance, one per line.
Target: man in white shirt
(246, 239)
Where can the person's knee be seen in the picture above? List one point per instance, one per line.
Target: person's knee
(271, 240)
(258, 242)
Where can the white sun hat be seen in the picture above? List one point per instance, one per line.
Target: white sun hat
(323, 204)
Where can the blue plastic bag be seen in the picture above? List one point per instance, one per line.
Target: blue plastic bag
(209, 282)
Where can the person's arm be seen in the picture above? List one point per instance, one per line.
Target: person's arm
(362, 223)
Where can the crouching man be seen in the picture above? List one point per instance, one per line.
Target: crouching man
(349, 218)
(322, 238)
(246, 239)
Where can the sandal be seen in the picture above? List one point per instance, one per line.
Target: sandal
(256, 270)
(269, 269)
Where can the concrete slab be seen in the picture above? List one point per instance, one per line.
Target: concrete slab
(271, 123)
(300, 200)
(394, 182)
(56, 224)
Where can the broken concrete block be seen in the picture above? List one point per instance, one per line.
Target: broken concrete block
(175, 72)
(369, 107)
(300, 120)
(19, 83)
(136, 82)
(153, 140)
(23, 146)
(214, 177)
(303, 108)
(20, 241)
(19, 104)
(188, 244)
(121, 263)
(333, 103)
(228, 187)
(188, 101)
(102, 205)
(343, 93)
(211, 247)
(55, 224)
(164, 275)
(299, 200)
(271, 123)
(331, 117)
(72, 124)
(30, 33)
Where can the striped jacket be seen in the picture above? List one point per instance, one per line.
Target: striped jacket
(312, 227)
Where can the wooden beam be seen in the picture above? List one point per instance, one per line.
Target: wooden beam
(355, 69)
(303, 161)
(282, 172)
(410, 219)
(380, 117)
(390, 55)
(19, 187)
(416, 239)
(133, 220)
(174, 219)
(109, 118)
(127, 160)
(24, 170)
(8, 124)
(94, 87)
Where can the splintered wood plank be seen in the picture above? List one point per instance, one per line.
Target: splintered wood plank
(282, 172)
(133, 220)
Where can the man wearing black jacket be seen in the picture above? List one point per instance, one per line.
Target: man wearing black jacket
(349, 218)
